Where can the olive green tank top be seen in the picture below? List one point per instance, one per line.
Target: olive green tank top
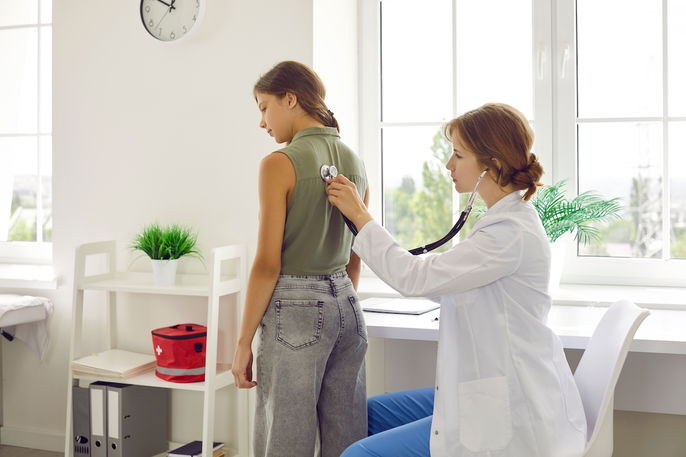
(316, 240)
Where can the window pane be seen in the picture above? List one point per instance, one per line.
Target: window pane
(18, 166)
(46, 183)
(417, 190)
(677, 179)
(416, 69)
(619, 68)
(46, 80)
(624, 160)
(494, 54)
(45, 11)
(677, 57)
(18, 80)
(18, 12)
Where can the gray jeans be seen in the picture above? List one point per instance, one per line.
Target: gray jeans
(310, 369)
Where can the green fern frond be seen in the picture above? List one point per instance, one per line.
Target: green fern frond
(559, 215)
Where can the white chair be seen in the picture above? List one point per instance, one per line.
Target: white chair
(598, 371)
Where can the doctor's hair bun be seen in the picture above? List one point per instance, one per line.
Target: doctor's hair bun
(501, 138)
(528, 177)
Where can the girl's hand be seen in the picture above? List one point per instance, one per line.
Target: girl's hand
(343, 195)
(242, 367)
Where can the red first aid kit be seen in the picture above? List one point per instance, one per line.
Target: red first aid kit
(180, 352)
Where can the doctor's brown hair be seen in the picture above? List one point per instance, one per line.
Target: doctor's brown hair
(499, 131)
(304, 83)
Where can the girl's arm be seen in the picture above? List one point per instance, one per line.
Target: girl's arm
(355, 265)
(276, 181)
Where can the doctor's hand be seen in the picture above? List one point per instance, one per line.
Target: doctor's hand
(343, 195)
(242, 367)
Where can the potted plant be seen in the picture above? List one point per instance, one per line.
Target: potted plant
(165, 245)
(560, 216)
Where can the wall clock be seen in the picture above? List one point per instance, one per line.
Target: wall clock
(171, 20)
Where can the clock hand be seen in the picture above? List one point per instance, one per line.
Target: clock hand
(161, 19)
(171, 6)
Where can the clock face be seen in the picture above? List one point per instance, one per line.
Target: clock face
(170, 20)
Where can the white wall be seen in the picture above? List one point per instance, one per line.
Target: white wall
(146, 131)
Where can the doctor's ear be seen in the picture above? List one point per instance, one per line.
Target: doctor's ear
(495, 166)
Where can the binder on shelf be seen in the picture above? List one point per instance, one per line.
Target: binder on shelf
(137, 420)
(194, 449)
(81, 421)
(98, 420)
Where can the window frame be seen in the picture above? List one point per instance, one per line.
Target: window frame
(39, 251)
(554, 60)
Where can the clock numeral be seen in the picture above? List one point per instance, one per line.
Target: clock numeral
(194, 18)
(172, 35)
(147, 8)
(151, 23)
(185, 30)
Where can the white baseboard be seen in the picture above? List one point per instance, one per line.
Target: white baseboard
(32, 438)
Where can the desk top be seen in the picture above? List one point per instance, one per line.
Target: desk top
(663, 331)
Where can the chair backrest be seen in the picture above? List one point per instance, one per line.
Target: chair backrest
(599, 367)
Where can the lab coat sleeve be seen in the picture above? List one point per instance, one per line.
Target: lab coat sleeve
(494, 251)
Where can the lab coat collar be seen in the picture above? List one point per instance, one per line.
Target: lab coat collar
(497, 211)
(505, 202)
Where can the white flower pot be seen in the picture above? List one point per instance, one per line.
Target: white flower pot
(164, 272)
(558, 255)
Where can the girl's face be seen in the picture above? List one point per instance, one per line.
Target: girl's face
(277, 115)
(463, 165)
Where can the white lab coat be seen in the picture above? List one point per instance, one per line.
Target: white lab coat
(503, 386)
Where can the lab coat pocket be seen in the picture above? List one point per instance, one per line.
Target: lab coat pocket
(298, 322)
(484, 414)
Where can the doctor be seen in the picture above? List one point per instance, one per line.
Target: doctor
(503, 386)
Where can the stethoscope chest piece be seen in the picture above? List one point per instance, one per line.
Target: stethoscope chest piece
(328, 172)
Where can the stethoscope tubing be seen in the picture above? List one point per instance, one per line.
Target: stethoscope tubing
(330, 171)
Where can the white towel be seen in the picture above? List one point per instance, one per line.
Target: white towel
(34, 334)
(10, 302)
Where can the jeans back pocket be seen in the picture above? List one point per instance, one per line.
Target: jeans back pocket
(298, 322)
(359, 317)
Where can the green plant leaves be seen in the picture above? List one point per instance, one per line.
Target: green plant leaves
(560, 215)
(166, 243)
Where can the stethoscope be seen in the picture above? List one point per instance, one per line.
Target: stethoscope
(330, 172)
(458, 225)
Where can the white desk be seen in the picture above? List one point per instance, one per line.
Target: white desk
(663, 332)
(652, 379)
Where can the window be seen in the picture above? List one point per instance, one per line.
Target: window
(25, 129)
(438, 59)
(607, 105)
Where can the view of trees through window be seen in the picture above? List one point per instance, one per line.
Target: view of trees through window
(629, 119)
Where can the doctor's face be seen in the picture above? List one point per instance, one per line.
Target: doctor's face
(463, 165)
(276, 116)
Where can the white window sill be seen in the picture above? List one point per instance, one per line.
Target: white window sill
(27, 276)
(573, 294)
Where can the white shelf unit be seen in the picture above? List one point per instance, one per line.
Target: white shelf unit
(211, 286)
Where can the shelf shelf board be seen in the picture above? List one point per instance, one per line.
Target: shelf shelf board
(223, 379)
(142, 283)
